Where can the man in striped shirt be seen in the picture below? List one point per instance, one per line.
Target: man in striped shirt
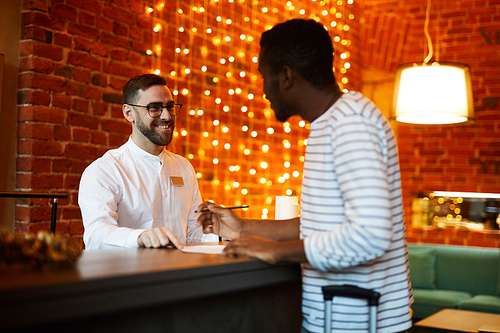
(351, 229)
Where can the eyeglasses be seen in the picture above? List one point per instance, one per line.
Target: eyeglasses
(155, 110)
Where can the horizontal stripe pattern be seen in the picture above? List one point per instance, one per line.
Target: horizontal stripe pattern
(352, 219)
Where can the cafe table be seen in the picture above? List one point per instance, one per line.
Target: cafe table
(152, 290)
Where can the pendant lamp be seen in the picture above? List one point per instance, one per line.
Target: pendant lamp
(432, 93)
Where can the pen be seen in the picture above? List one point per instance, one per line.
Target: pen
(233, 207)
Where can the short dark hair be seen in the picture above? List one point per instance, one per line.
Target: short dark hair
(140, 82)
(303, 45)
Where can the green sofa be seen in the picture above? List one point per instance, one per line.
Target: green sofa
(455, 277)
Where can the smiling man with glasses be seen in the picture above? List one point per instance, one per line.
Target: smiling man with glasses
(141, 194)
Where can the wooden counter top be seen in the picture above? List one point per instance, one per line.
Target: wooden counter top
(113, 280)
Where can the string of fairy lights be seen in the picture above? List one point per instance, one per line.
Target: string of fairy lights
(208, 51)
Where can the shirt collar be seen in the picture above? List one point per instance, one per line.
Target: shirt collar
(142, 153)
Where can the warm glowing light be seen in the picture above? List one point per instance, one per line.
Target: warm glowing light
(255, 60)
(157, 72)
(252, 172)
(207, 92)
(215, 161)
(185, 91)
(198, 175)
(270, 130)
(246, 151)
(200, 112)
(244, 128)
(227, 146)
(295, 174)
(265, 148)
(263, 165)
(204, 68)
(191, 156)
(286, 164)
(187, 71)
(250, 96)
(244, 109)
(236, 184)
(244, 191)
(225, 129)
(157, 27)
(226, 108)
(205, 134)
(215, 79)
(149, 52)
(289, 192)
(263, 180)
(215, 122)
(218, 100)
(215, 143)
(254, 134)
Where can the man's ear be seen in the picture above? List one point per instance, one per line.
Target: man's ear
(286, 78)
(128, 113)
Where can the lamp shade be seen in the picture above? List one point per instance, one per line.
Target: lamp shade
(437, 93)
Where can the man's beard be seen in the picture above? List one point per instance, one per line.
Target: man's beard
(154, 137)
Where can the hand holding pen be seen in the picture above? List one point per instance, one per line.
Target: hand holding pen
(219, 220)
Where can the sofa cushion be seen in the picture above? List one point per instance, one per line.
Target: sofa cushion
(422, 268)
(468, 269)
(428, 302)
(482, 303)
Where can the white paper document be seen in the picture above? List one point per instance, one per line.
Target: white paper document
(207, 249)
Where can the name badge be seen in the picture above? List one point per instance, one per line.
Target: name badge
(177, 181)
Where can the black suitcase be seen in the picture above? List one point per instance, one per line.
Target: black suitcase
(329, 292)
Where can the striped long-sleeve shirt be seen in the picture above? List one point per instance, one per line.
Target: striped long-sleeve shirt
(352, 219)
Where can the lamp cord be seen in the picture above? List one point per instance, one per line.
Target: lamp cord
(426, 31)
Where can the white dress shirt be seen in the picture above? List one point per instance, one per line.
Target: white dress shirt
(129, 190)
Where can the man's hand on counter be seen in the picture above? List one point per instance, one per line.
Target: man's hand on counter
(269, 251)
(158, 237)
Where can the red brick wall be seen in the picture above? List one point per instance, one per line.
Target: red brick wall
(452, 157)
(76, 56)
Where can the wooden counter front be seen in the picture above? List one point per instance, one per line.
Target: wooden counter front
(115, 290)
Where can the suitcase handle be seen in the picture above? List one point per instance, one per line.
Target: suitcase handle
(347, 290)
